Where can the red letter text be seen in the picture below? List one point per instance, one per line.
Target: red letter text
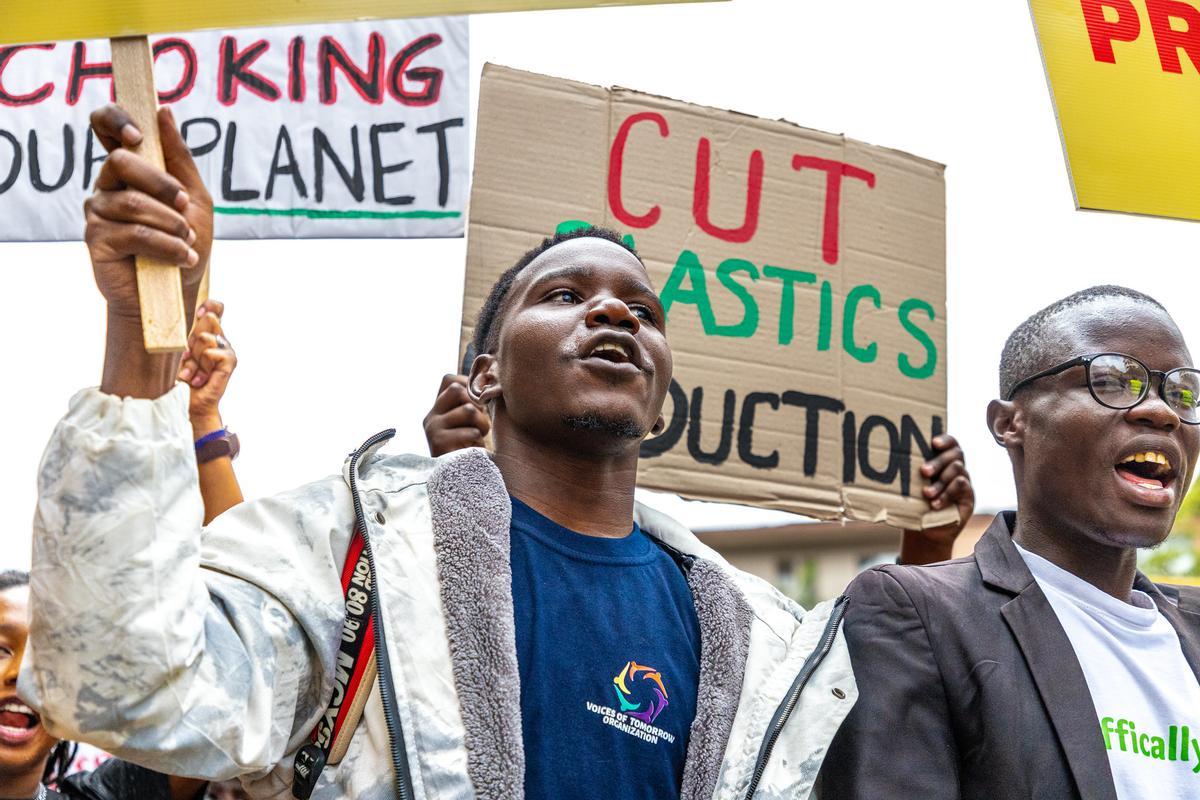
(834, 170)
(1169, 40)
(37, 95)
(1103, 33)
(703, 188)
(616, 161)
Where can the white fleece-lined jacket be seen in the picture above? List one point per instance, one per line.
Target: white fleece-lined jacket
(210, 652)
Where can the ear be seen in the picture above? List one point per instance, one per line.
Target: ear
(483, 384)
(1006, 423)
(658, 426)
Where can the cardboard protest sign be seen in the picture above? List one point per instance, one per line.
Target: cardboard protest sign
(1123, 74)
(803, 273)
(35, 21)
(334, 130)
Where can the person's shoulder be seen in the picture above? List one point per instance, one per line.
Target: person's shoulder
(942, 579)
(396, 472)
(665, 528)
(392, 472)
(1189, 601)
(1192, 595)
(1185, 596)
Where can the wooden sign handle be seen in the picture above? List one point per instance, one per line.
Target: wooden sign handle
(202, 295)
(160, 292)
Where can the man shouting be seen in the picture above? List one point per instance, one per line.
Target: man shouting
(534, 632)
(1045, 665)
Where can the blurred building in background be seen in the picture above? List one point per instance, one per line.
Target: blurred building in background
(813, 561)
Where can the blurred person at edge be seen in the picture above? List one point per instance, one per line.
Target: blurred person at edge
(33, 763)
(492, 572)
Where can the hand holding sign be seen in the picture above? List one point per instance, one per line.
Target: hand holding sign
(455, 421)
(949, 487)
(949, 483)
(140, 210)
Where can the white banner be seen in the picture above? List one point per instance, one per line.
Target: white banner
(332, 130)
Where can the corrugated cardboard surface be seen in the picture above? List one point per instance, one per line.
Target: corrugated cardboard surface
(1129, 126)
(35, 21)
(542, 158)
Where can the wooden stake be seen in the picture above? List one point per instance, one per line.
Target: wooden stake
(202, 295)
(160, 292)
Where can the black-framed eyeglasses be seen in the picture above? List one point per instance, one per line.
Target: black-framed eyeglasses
(1119, 381)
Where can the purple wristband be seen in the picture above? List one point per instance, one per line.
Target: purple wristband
(210, 437)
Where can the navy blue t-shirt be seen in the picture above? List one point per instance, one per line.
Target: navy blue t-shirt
(608, 648)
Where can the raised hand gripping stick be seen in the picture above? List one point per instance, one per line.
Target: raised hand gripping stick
(160, 292)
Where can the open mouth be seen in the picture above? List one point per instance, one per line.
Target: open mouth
(1150, 469)
(18, 722)
(616, 352)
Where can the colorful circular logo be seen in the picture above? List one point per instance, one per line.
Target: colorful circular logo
(637, 681)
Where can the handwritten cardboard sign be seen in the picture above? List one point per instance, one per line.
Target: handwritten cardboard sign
(332, 130)
(1126, 86)
(803, 273)
(36, 20)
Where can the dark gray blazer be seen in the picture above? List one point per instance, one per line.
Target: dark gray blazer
(969, 687)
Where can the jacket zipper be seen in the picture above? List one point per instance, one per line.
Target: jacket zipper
(391, 714)
(792, 698)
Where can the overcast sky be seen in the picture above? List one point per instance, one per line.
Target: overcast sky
(338, 339)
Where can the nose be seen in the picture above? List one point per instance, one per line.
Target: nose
(613, 311)
(10, 668)
(1153, 412)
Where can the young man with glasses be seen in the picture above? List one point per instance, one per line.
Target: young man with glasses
(1045, 665)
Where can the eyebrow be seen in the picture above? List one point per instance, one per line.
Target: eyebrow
(583, 272)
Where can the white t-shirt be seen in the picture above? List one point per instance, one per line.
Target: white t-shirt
(1146, 695)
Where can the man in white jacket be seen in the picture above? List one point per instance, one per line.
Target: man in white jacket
(535, 632)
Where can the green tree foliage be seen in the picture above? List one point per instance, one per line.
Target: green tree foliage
(1179, 555)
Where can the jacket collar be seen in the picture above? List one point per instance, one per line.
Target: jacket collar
(470, 513)
(999, 562)
(1050, 659)
(1002, 567)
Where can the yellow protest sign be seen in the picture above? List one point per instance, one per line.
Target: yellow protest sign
(1125, 76)
(37, 21)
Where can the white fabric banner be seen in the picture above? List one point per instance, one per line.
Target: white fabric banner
(332, 130)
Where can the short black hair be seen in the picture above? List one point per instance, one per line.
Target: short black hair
(487, 329)
(13, 577)
(1031, 346)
